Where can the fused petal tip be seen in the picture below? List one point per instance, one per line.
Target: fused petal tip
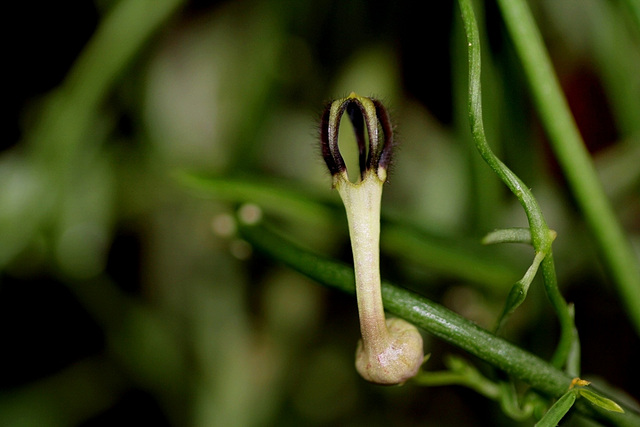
(366, 115)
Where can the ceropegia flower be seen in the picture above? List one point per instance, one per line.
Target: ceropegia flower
(390, 351)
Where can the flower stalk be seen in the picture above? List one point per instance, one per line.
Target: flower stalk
(390, 351)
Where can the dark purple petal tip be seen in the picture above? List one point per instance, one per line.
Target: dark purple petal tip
(365, 114)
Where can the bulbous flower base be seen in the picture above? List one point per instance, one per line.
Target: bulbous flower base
(399, 360)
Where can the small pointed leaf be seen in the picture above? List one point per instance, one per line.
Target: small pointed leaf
(558, 410)
(508, 235)
(599, 400)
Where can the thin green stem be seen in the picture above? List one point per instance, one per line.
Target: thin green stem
(615, 249)
(460, 372)
(568, 333)
(539, 230)
(433, 318)
(541, 235)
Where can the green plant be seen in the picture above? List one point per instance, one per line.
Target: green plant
(118, 302)
(555, 379)
(572, 155)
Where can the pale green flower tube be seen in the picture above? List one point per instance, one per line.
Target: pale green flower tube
(390, 351)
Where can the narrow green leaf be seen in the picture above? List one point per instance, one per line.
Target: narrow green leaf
(558, 410)
(508, 235)
(599, 400)
(519, 290)
(516, 296)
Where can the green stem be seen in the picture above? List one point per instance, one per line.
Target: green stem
(568, 333)
(433, 318)
(541, 235)
(615, 249)
(539, 231)
(462, 373)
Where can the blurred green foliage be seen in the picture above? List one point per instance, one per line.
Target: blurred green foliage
(124, 297)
